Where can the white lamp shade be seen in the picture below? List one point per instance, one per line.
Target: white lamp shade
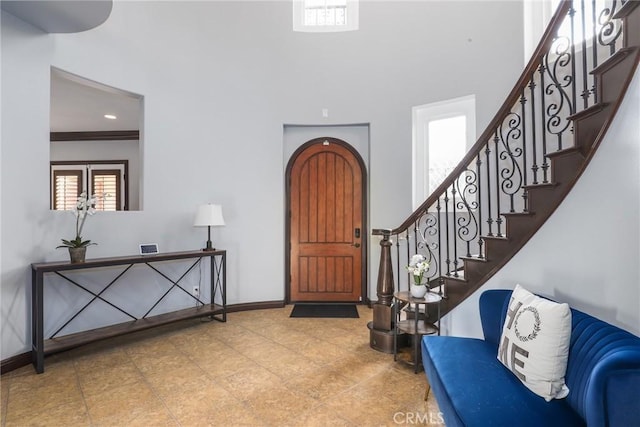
(209, 215)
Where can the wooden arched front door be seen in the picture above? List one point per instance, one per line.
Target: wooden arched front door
(326, 219)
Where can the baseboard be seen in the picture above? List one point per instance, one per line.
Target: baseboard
(24, 359)
(234, 308)
(15, 362)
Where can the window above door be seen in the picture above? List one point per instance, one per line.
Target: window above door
(325, 15)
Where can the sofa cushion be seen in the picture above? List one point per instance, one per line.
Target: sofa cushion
(535, 343)
(474, 389)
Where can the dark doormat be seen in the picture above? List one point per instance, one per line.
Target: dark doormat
(324, 310)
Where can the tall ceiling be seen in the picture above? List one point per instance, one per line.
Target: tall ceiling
(60, 16)
(78, 104)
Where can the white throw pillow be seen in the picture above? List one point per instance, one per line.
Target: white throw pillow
(535, 343)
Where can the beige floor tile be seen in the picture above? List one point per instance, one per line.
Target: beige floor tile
(151, 347)
(195, 413)
(127, 405)
(290, 365)
(61, 414)
(246, 384)
(37, 391)
(261, 368)
(321, 385)
(100, 360)
(322, 351)
(173, 361)
(204, 402)
(277, 405)
(356, 368)
(184, 381)
(221, 365)
(106, 378)
(319, 416)
(370, 410)
(4, 397)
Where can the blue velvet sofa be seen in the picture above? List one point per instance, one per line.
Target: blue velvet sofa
(473, 388)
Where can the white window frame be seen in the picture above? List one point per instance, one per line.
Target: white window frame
(351, 24)
(422, 116)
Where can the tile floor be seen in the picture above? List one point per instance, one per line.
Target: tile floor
(261, 368)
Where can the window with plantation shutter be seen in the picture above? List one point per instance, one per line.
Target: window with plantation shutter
(67, 186)
(106, 185)
(105, 180)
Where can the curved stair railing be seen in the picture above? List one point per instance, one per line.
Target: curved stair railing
(525, 162)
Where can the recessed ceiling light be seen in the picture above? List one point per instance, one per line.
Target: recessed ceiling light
(110, 116)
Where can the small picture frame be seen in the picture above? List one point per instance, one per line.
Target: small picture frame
(148, 248)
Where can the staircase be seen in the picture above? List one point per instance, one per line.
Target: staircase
(526, 161)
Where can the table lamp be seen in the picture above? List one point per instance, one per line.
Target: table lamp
(209, 215)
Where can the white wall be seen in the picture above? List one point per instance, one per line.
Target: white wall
(219, 80)
(588, 252)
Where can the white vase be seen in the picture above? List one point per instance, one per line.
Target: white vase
(418, 291)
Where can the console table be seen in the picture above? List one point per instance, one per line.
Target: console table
(54, 344)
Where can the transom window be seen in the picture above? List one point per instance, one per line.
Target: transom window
(325, 15)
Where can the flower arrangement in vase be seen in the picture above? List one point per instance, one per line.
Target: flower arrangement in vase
(77, 246)
(417, 267)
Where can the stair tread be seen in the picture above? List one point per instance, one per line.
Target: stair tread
(474, 258)
(565, 152)
(505, 238)
(459, 277)
(596, 108)
(540, 185)
(617, 57)
(527, 213)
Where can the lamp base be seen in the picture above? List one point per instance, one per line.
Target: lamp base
(209, 246)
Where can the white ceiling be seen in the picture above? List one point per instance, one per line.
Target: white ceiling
(79, 105)
(60, 16)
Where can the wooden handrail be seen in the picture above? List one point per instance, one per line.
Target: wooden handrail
(541, 50)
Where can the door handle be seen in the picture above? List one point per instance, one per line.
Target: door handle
(357, 245)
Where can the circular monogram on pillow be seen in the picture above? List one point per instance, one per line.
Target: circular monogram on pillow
(529, 322)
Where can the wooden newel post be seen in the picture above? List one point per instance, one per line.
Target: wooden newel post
(381, 329)
(385, 287)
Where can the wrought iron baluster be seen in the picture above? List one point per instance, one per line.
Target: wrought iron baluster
(455, 230)
(523, 102)
(559, 106)
(594, 46)
(498, 211)
(407, 239)
(439, 271)
(585, 71)
(446, 227)
(479, 172)
(534, 139)
(610, 29)
(416, 230)
(572, 43)
(487, 152)
(467, 224)
(398, 275)
(543, 120)
(511, 173)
